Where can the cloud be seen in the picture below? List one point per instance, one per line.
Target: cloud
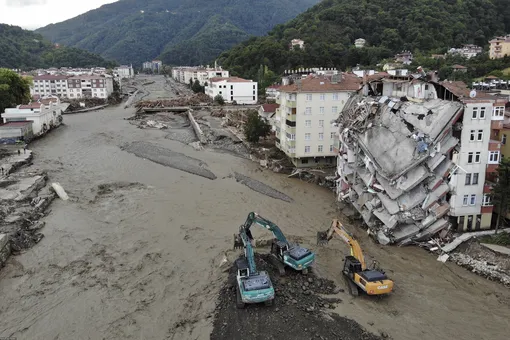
(25, 3)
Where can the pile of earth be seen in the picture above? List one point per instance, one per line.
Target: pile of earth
(298, 312)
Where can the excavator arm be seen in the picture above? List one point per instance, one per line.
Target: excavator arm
(242, 240)
(264, 223)
(337, 228)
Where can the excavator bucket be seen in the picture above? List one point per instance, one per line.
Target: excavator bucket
(322, 238)
(238, 242)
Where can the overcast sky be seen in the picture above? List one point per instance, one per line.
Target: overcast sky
(32, 14)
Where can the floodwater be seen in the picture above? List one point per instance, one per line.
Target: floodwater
(135, 253)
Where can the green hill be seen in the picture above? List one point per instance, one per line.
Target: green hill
(182, 32)
(330, 28)
(24, 49)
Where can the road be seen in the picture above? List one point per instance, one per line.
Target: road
(135, 253)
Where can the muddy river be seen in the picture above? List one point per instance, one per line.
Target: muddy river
(135, 253)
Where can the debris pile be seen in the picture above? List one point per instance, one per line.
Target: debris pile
(486, 269)
(298, 310)
(85, 103)
(193, 100)
(393, 164)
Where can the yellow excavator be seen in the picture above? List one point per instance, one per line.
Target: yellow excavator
(371, 281)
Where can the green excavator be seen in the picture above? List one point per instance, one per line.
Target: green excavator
(252, 286)
(283, 253)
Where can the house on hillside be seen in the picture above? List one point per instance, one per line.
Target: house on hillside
(267, 112)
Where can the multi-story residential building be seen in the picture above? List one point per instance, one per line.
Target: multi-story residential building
(499, 47)
(155, 66)
(467, 51)
(124, 71)
(414, 167)
(44, 114)
(185, 74)
(90, 86)
(272, 91)
(49, 85)
(307, 108)
(233, 89)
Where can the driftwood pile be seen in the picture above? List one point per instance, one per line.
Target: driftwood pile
(195, 99)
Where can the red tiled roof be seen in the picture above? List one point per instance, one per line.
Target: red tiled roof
(230, 80)
(47, 101)
(458, 88)
(273, 87)
(348, 82)
(50, 77)
(459, 67)
(270, 107)
(31, 106)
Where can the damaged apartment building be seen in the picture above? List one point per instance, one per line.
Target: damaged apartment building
(417, 157)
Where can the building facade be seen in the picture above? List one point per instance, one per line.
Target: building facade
(49, 85)
(186, 74)
(44, 115)
(499, 47)
(124, 71)
(467, 51)
(233, 89)
(90, 87)
(303, 120)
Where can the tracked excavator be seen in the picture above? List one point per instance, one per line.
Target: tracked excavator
(283, 253)
(252, 286)
(371, 281)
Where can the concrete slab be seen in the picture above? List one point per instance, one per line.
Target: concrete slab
(412, 198)
(384, 216)
(390, 205)
(435, 195)
(21, 188)
(4, 238)
(390, 190)
(405, 231)
(434, 162)
(412, 178)
(434, 228)
(497, 248)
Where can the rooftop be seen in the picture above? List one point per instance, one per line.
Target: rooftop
(270, 107)
(50, 77)
(30, 106)
(230, 80)
(346, 82)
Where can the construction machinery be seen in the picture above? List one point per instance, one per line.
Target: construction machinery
(283, 253)
(252, 286)
(372, 281)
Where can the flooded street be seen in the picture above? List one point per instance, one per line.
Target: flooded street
(135, 253)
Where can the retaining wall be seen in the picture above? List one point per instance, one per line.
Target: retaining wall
(196, 127)
(5, 249)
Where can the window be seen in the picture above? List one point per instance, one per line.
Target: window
(321, 136)
(308, 111)
(320, 148)
(335, 96)
(307, 149)
(291, 136)
(308, 97)
(465, 200)
(334, 109)
(332, 135)
(493, 157)
(321, 123)
(475, 179)
(304, 161)
(308, 123)
(475, 113)
(308, 136)
(472, 135)
(482, 113)
(479, 136)
(503, 139)
(472, 201)
(470, 158)
(486, 200)
(477, 157)
(468, 179)
(323, 96)
(321, 110)
(499, 111)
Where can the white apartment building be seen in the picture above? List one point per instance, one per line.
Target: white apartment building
(467, 51)
(477, 162)
(304, 129)
(89, 86)
(124, 71)
(233, 89)
(44, 114)
(49, 85)
(186, 74)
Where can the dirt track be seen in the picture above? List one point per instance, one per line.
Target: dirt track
(135, 253)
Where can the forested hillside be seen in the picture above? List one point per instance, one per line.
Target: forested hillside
(24, 49)
(330, 28)
(182, 32)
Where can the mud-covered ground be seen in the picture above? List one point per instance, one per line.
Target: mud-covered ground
(136, 252)
(302, 310)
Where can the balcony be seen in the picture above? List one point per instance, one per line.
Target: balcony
(290, 129)
(487, 187)
(290, 117)
(291, 103)
(496, 124)
(291, 143)
(494, 145)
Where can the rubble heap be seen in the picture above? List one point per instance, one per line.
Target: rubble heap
(195, 99)
(393, 165)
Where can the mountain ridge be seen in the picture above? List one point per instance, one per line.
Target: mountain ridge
(139, 30)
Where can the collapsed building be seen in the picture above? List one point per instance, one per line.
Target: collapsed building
(416, 157)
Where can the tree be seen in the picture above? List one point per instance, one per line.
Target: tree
(500, 194)
(14, 90)
(196, 87)
(219, 99)
(256, 127)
